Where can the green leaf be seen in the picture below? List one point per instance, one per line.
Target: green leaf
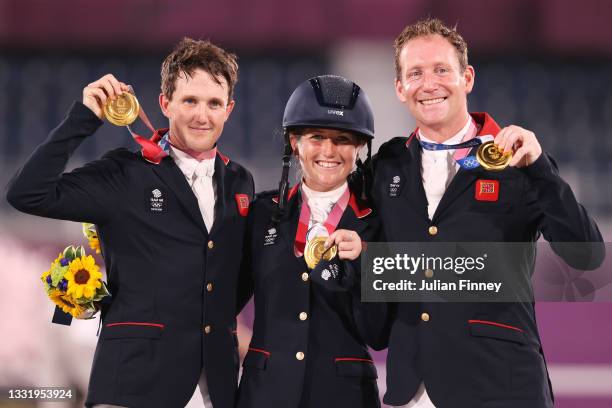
(57, 274)
(83, 301)
(88, 229)
(80, 252)
(101, 293)
(69, 253)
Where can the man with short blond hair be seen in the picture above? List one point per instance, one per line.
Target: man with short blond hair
(465, 354)
(171, 234)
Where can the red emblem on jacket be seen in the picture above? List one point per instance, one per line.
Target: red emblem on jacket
(242, 200)
(487, 190)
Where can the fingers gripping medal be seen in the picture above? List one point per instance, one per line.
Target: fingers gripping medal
(123, 110)
(492, 158)
(315, 246)
(310, 242)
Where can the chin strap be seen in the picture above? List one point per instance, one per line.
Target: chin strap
(283, 186)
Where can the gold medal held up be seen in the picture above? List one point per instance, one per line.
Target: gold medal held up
(123, 110)
(491, 158)
(315, 250)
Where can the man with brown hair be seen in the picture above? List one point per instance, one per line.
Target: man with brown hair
(171, 234)
(429, 189)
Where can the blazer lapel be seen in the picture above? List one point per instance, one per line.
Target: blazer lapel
(462, 180)
(172, 176)
(416, 192)
(224, 179)
(353, 217)
(289, 223)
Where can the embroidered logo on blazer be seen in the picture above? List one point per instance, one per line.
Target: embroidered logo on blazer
(487, 190)
(155, 200)
(330, 272)
(270, 237)
(242, 200)
(395, 187)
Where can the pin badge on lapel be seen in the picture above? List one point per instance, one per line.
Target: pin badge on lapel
(487, 190)
(242, 200)
(395, 186)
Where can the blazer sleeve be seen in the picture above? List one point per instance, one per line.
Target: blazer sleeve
(563, 222)
(86, 194)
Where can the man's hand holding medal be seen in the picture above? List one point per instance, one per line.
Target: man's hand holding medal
(521, 143)
(108, 95)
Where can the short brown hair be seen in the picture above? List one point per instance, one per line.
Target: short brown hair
(189, 55)
(427, 27)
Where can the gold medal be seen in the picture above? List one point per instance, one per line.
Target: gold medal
(122, 111)
(315, 250)
(491, 158)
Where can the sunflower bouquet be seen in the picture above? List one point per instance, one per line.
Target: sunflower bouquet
(74, 283)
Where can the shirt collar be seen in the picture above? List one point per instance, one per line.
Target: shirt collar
(457, 138)
(331, 196)
(188, 164)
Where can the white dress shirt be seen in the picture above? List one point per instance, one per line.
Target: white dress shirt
(199, 175)
(321, 202)
(438, 167)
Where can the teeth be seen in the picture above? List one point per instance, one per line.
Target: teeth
(327, 164)
(432, 101)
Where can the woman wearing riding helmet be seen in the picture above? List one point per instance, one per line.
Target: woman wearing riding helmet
(310, 335)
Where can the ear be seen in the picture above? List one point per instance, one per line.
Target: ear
(468, 77)
(229, 108)
(163, 104)
(400, 91)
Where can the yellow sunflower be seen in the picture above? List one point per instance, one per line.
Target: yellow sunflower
(90, 232)
(83, 278)
(94, 244)
(66, 303)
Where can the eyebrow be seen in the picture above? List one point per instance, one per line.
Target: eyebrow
(213, 99)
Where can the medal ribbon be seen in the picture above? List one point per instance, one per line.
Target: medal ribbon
(462, 149)
(151, 151)
(330, 223)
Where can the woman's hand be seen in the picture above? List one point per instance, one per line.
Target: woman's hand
(348, 242)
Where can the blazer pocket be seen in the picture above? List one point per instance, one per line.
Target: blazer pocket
(126, 330)
(355, 367)
(256, 358)
(495, 330)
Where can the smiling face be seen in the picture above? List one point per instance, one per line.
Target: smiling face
(433, 86)
(197, 111)
(326, 156)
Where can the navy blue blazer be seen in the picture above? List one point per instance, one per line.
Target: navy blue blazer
(173, 282)
(473, 354)
(309, 338)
